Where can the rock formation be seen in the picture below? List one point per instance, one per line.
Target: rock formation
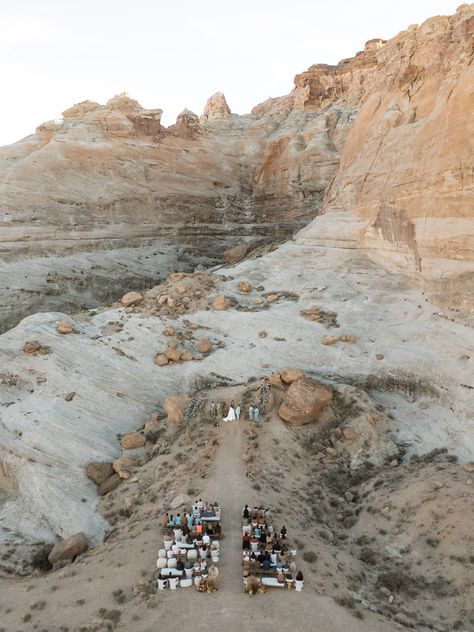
(381, 142)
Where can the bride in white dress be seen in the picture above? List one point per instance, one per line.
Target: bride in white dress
(231, 416)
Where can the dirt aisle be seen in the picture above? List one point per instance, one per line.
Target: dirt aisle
(228, 485)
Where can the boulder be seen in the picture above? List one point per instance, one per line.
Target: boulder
(109, 484)
(70, 396)
(99, 471)
(220, 303)
(304, 402)
(161, 359)
(122, 466)
(68, 549)
(271, 298)
(469, 468)
(173, 354)
(288, 376)
(349, 338)
(244, 286)
(131, 299)
(237, 253)
(132, 440)
(65, 327)
(274, 379)
(174, 407)
(36, 348)
(204, 345)
(329, 340)
(186, 356)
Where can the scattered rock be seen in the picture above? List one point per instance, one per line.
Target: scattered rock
(122, 466)
(271, 298)
(99, 471)
(186, 356)
(173, 354)
(65, 327)
(304, 402)
(70, 396)
(349, 496)
(132, 440)
(69, 549)
(174, 406)
(169, 331)
(288, 376)
(36, 348)
(262, 334)
(349, 338)
(161, 359)
(331, 452)
(315, 313)
(329, 340)
(244, 286)
(204, 345)
(220, 303)
(468, 467)
(379, 356)
(109, 484)
(131, 299)
(237, 253)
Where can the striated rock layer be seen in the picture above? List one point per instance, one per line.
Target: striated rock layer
(382, 143)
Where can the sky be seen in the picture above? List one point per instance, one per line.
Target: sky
(174, 55)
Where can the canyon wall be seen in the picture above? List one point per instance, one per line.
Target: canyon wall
(404, 190)
(381, 144)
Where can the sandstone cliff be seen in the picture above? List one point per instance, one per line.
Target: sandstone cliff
(382, 143)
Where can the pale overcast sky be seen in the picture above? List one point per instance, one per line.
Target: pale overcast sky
(172, 55)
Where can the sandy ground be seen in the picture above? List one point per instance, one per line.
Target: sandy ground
(289, 480)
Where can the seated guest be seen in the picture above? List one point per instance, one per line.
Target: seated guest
(299, 576)
(171, 520)
(189, 520)
(166, 519)
(277, 548)
(185, 529)
(179, 565)
(206, 539)
(178, 520)
(217, 528)
(199, 528)
(266, 564)
(203, 552)
(213, 571)
(200, 505)
(263, 537)
(283, 532)
(246, 512)
(246, 543)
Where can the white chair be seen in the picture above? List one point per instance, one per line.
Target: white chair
(175, 549)
(173, 583)
(178, 534)
(246, 529)
(161, 562)
(168, 544)
(169, 553)
(215, 545)
(162, 583)
(189, 572)
(162, 553)
(299, 585)
(254, 546)
(215, 556)
(185, 583)
(203, 565)
(192, 555)
(273, 558)
(172, 562)
(197, 581)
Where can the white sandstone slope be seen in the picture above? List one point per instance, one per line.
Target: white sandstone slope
(425, 376)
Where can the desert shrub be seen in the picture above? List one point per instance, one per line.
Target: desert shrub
(112, 615)
(310, 557)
